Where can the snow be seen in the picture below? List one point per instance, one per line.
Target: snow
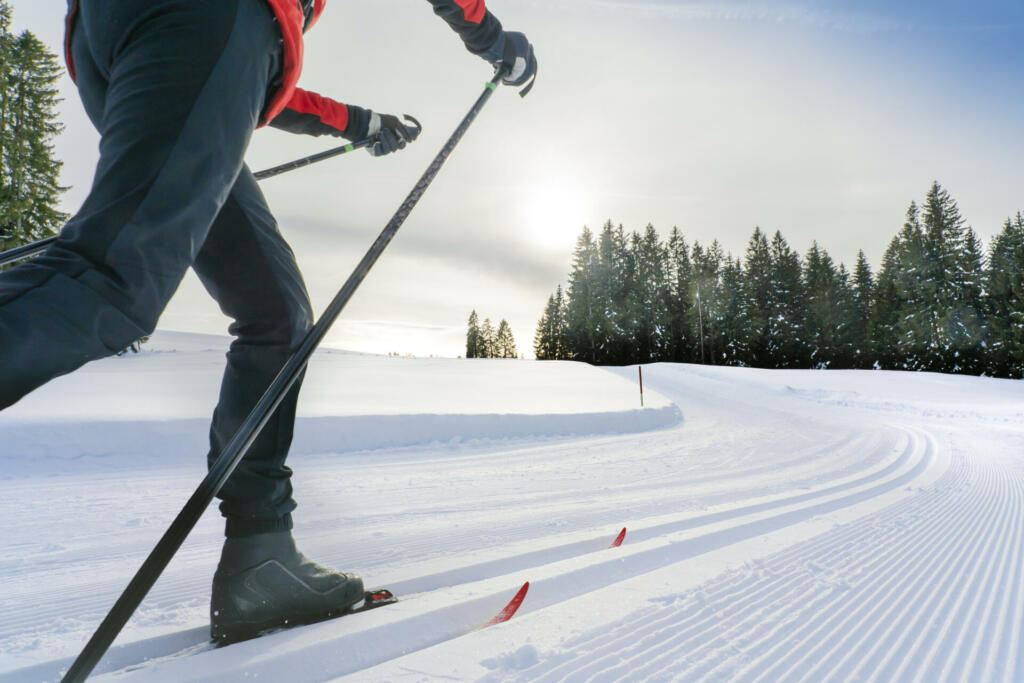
(783, 525)
(152, 409)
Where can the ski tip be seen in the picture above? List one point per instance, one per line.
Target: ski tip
(619, 539)
(511, 608)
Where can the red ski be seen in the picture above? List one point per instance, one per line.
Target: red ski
(510, 608)
(619, 539)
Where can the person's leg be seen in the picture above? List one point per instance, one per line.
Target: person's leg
(175, 88)
(262, 580)
(249, 269)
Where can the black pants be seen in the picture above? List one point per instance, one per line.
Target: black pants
(175, 88)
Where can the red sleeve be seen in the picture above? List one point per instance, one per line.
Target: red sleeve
(477, 27)
(312, 114)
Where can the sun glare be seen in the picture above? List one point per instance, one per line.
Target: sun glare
(554, 214)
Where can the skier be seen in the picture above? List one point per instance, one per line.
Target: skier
(175, 89)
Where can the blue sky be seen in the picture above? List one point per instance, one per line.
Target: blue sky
(823, 120)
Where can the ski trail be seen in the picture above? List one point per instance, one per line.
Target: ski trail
(927, 589)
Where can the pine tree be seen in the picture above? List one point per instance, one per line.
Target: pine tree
(846, 350)
(504, 342)
(560, 326)
(582, 308)
(1004, 284)
(707, 267)
(733, 325)
(786, 317)
(474, 341)
(824, 315)
(644, 303)
(29, 174)
(757, 285)
(544, 338)
(860, 327)
(488, 340)
(968, 328)
(950, 326)
(903, 318)
(678, 303)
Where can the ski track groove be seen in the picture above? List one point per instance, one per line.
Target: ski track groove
(611, 666)
(962, 610)
(180, 590)
(866, 636)
(955, 669)
(816, 629)
(922, 625)
(919, 598)
(838, 614)
(858, 620)
(877, 481)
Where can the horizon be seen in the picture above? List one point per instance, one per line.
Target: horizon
(823, 123)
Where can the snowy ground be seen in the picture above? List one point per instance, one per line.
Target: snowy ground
(783, 525)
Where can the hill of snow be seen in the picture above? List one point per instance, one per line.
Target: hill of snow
(790, 525)
(152, 409)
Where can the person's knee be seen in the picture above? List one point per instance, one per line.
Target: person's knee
(301, 321)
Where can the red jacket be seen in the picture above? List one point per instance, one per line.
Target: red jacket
(292, 108)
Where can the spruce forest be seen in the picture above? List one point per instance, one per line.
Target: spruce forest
(939, 301)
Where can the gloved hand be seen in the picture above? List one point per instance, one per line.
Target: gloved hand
(391, 133)
(513, 52)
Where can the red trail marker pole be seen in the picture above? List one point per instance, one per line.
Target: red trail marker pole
(640, 371)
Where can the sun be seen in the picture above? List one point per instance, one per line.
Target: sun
(554, 213)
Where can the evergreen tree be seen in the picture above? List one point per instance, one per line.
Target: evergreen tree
(847, 349)
(732, 324)
(551, 339)
(863, 309)
(29, 174)
(786, 317)
(644, 302)
(544, 337)
(583, 311)
(825, 317)
(474, 338)
(757, 294)
(678, 304)
(902, 317)
(488, 340)
(951, 331)
(560, 326)
(707, 267)
(504, 342)
(966, 324)
(1004, 304)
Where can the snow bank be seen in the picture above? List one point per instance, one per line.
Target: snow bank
(152, 409)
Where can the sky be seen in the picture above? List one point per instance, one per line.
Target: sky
(820, 119)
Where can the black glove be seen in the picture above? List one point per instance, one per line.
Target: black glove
(513, 53)
(390, 133)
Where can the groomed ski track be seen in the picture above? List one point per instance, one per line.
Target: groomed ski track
(790, 528)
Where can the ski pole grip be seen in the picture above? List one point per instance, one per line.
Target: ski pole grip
(417, 124)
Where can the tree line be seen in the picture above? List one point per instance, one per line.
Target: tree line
(483, 341)
(939, 302)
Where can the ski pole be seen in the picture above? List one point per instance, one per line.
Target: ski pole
(26, 250)
(233, 452)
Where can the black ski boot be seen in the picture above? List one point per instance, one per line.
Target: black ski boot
(264, 582)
